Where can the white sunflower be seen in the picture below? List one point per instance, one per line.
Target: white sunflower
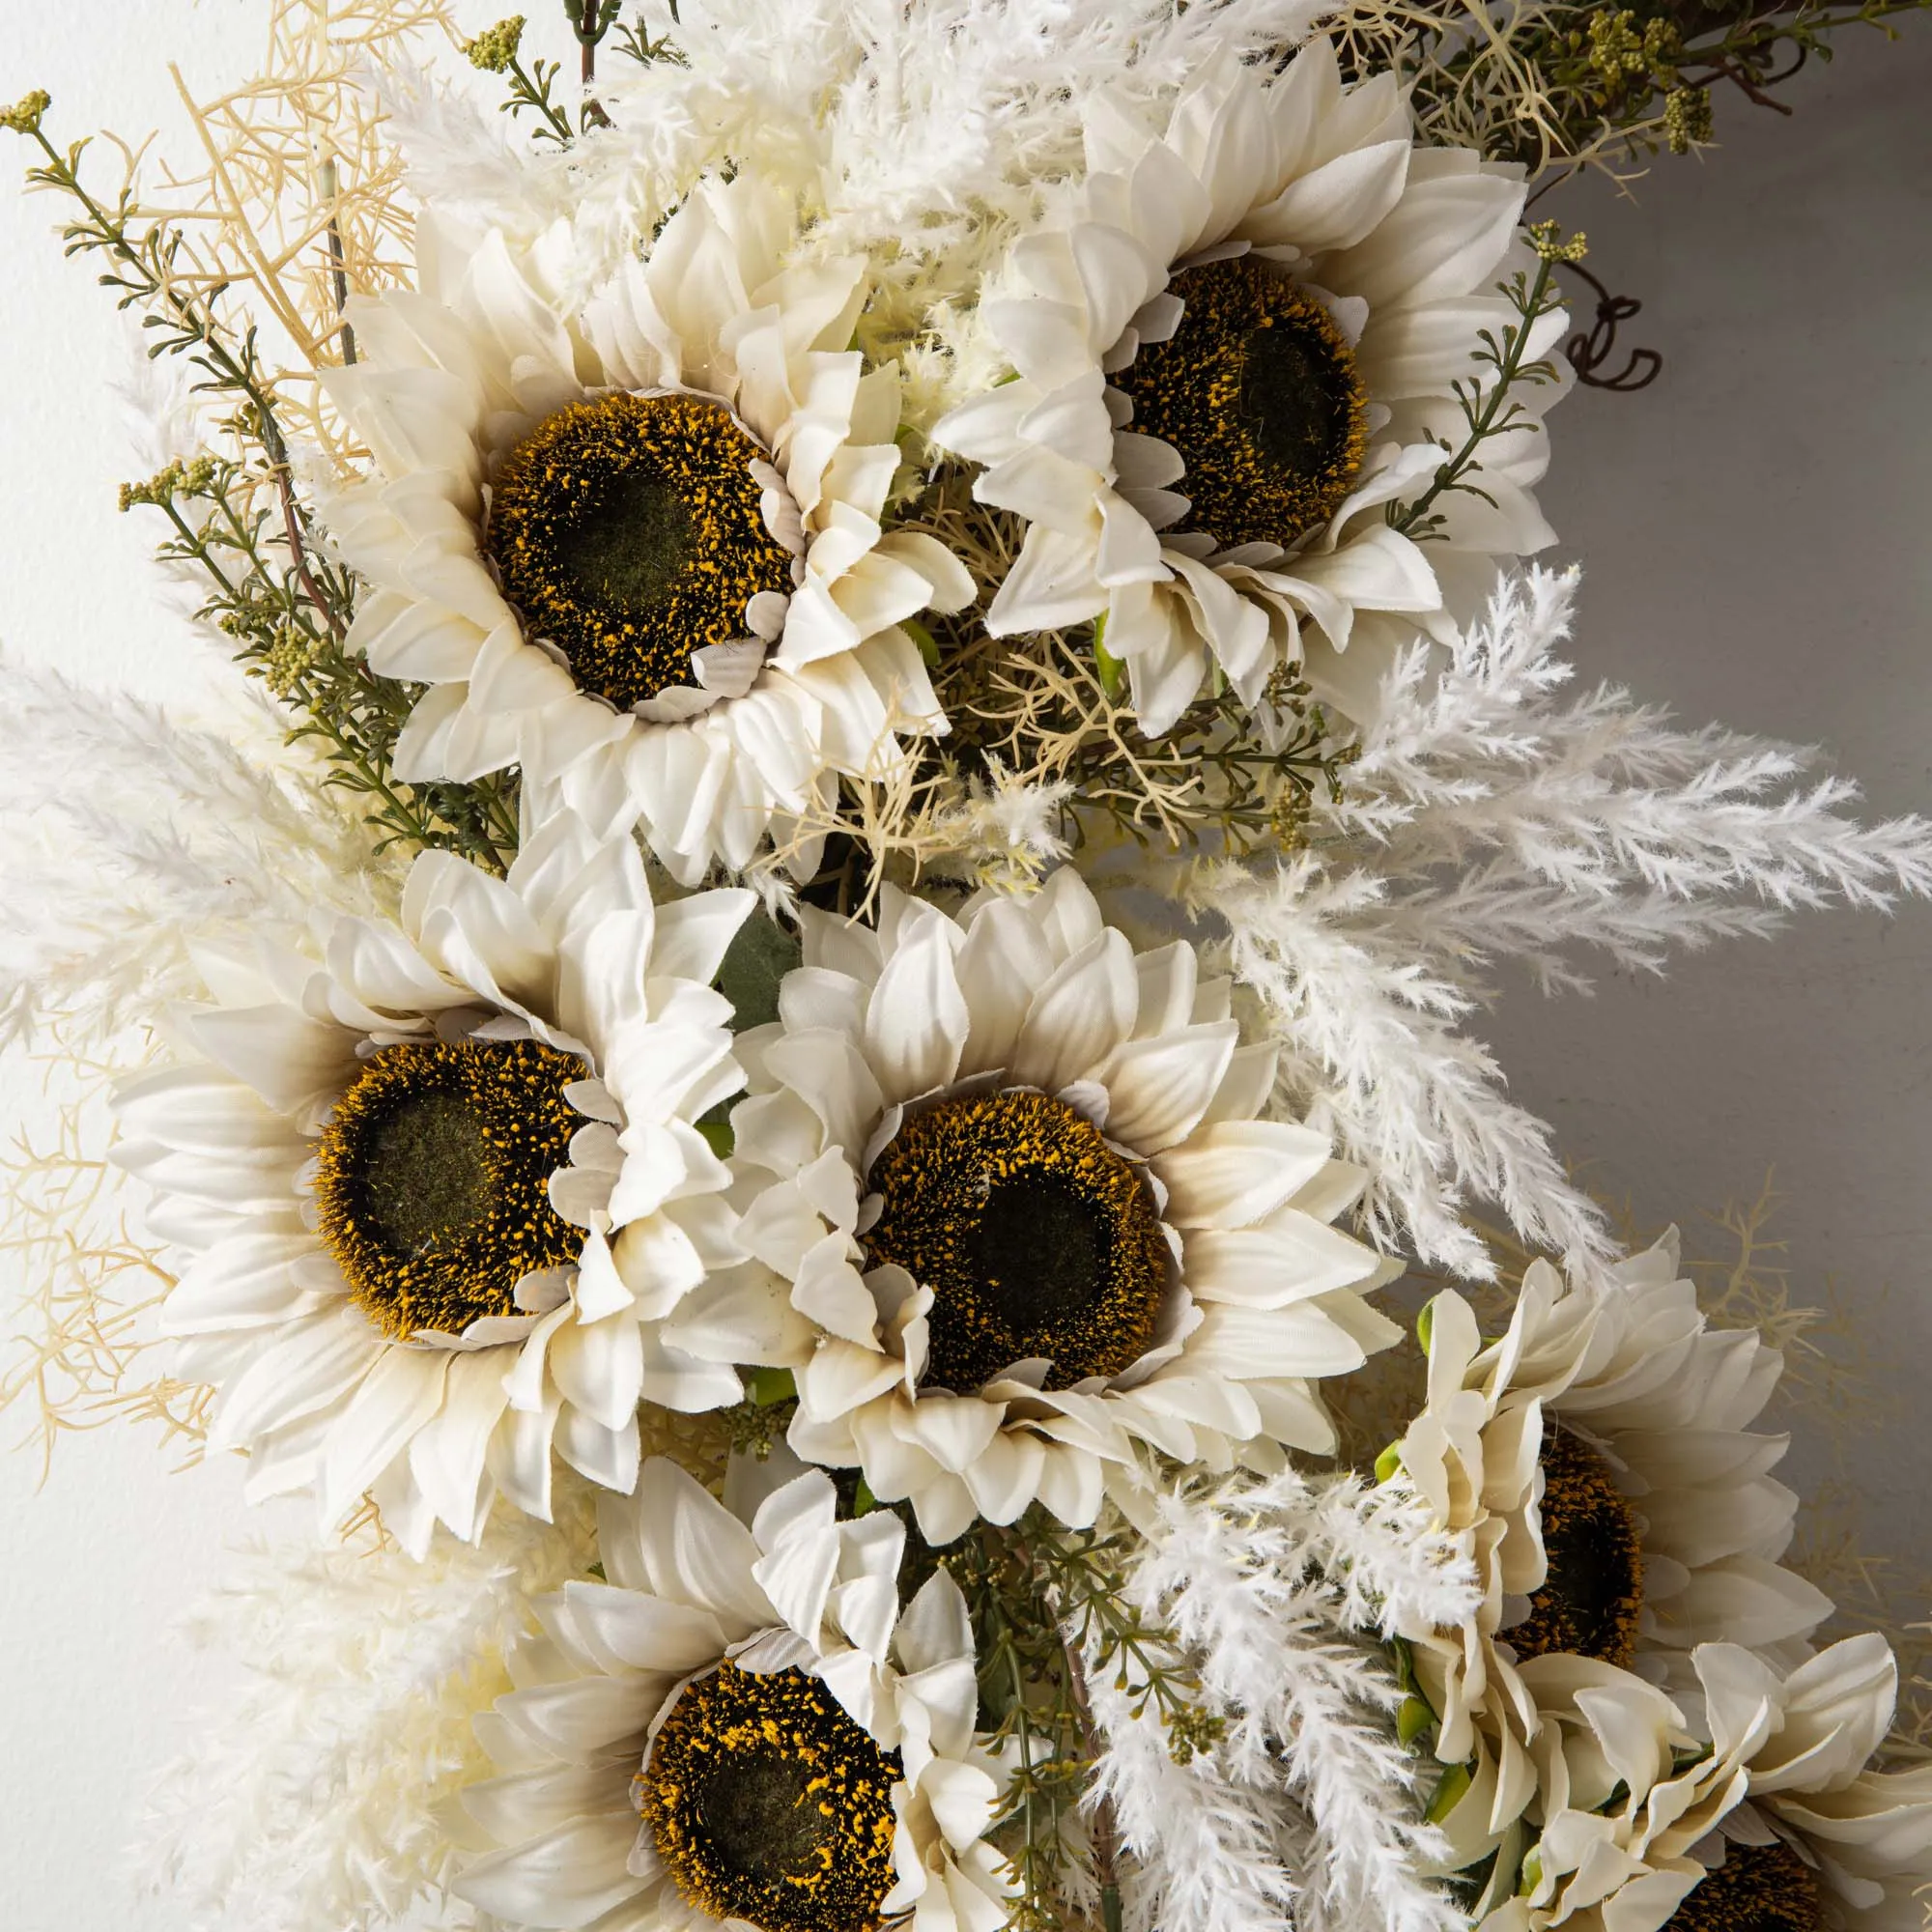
(740, 1724)
(640, 553)
(1748, 1801)
(1011, 1217)
(428, 1194)
(1599, 1461)
(1232, 364)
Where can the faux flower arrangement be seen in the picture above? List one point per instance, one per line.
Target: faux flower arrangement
(786, 1065)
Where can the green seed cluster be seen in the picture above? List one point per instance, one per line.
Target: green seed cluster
(432, 1179)
(629, 532)
(769, 1804)
(493, 50)
(1258, 391)
(1593, 1592)
(1036, 1236)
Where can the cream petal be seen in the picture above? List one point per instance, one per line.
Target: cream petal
(1159, 1089)
(1253, 1344)
(687, 1548)
(402, 637)
(1079, 1015)
(1051, 584)
(1336, 204)
(246, 1281)
(448, 1457)
(1234, 1172)
(400, 1394)
(305, 1371)
(599, 1367)
(1004, 958)
(828, 1292)
(917, 1020)
(290, 1061)
(520, 1454)
(567, 1878)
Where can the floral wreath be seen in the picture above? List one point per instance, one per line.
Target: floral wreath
(790, 1065)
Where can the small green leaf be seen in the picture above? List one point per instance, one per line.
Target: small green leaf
(1425, 1327)
(863, 1501)
(716, 1127)
(1388, 1462)
(758, 959)
(1113, 670)
(1413, 1719)
(767, 1387)
(1449, 1790)
(929, 644)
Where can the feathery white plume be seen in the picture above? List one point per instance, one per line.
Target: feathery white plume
(1269, 1586)
(132, 833)
(1489, 818)
(312, 1798)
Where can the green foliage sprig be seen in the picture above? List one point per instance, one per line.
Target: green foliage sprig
(1044, 1601)
(1561, 83)
(497, 49)
(1490, 406)
(237, 519)
(1062, 714)
(287, 624)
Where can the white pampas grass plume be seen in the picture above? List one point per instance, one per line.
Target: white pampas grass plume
(314, 1798)
(925, 137)
(126, 833)
(1489, 818)
(1270, 1587)
(1205, 1847)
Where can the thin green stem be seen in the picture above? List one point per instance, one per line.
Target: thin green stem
(1511, 361)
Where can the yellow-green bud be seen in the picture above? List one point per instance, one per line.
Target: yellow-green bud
(1687, 118)
(496, 48)
(1616, 48)
(286, 659)
(24, 116)
(1546, 238)
(158, 489)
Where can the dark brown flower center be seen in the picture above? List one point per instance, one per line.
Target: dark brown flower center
(768, 1804)
(629, 532)
(1258, 391)
(1757, 1889)
(1036, 1236)
(1593, 1591)
(432, 1175)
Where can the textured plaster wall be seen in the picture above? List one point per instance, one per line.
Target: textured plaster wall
(1752, 529)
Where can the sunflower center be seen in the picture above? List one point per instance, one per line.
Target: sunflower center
(768, 1804)
(1593, 1590)
(1036, 1236)
(1259, 391)
(629, 531)
(1757, 1889)
(432, 1179)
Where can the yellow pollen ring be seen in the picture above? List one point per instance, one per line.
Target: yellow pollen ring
(629, 531)
(1038, 1239)
(431, 1181)
(1259, 391)
(769, 1804)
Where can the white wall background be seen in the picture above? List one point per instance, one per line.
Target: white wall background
(1752, 529)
